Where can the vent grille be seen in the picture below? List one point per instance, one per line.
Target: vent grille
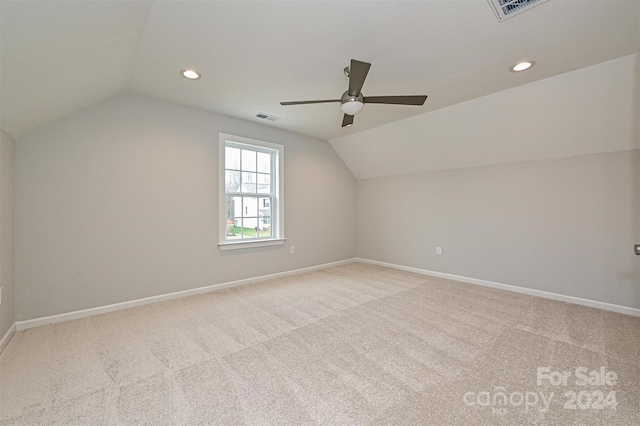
(507, 8)
(268, 117)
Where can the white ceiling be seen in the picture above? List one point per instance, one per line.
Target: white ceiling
(59, 56)
(587, 111)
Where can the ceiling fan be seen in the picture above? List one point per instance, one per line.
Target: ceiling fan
(353, 100)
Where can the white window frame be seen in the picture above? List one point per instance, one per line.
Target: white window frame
(277, 208)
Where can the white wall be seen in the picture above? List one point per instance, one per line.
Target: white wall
(119, 202)
(565, 226)
(7, 168)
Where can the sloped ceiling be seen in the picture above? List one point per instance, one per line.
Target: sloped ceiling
(587, 111)
(59, 56)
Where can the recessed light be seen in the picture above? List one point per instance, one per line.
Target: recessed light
(521, 66)
(190, 74)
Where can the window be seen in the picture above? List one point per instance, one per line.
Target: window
(251, 196)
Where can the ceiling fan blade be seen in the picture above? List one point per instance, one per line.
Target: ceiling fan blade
(309, 102)
(347, 120)
(357, 74)
(396, 100)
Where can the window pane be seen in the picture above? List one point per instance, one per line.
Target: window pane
(250, 207)
(234, 207)
(232, 181)
(249, 184)
(231, 158)
(265, 227)
(234, 228)
(233, 223)
(248, 226)
(248, 160)
(264, 183)
(264, 162)
(264, 212)
(237, 222)
(264, 206)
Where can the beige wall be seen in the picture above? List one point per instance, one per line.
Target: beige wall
(7, 162)
(565, 225)
(119, 202)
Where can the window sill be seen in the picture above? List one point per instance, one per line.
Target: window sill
(239, 245)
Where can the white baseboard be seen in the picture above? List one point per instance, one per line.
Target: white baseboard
(53, 319)
(539, 293)
(7, 336)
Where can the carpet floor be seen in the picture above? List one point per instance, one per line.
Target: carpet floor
(354, 344)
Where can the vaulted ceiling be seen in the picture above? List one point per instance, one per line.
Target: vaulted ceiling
(60, 56)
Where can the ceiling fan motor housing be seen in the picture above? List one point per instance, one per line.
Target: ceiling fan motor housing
(351, 104)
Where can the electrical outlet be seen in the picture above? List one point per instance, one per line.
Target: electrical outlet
(292, 249)
(439, 251)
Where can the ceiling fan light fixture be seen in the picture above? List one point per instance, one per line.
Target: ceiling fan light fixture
(351, 107)
(352, 101)
(190, 74)
(521, 66)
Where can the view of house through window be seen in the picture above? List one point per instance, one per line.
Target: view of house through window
(251, 191)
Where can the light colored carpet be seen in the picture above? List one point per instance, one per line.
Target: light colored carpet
(355, 344)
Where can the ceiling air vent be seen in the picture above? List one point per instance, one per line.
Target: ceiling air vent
(267, 116)
(507, 8)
